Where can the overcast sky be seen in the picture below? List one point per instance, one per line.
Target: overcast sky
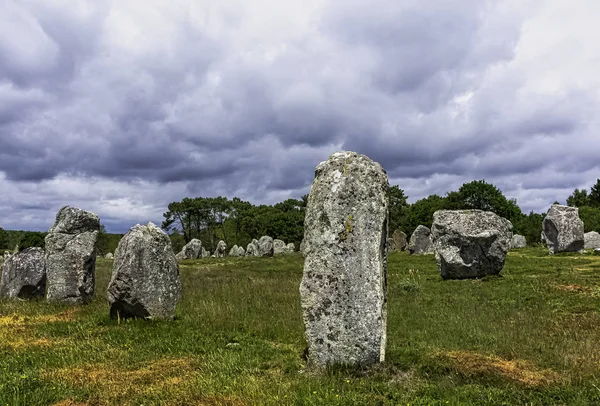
(121, 107)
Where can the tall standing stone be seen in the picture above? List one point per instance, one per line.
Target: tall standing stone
(562, 229)
(343, 288)
(24, 275)
(470, 243)
(145, 280)
(71, 256)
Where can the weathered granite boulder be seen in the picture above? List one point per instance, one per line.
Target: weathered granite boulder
(191, 250)
(398, 242)
(145, 280)
(235, 251)
(221, 249)
(301, 248)
(279, 247)
(343, 288)
(470, 243)
(71, 256)
(109, 256)
(563, 229)
(252, 249)
(421, 241)
(6, 255)
(24, 275)
(518, 241)
(265, 246)
(241, 252)
(291, 248)
(591, 240)
(205, 253)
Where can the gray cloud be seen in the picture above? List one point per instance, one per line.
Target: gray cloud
(122, 100)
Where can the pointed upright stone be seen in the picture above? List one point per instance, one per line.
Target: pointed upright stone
(343, 288)
(221, 249)
(71, 256)
(145, 280)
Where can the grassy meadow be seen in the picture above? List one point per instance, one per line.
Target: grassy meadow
(530, 337)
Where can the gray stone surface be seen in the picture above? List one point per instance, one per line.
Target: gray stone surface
(24, 275)
(145, 280)
(279, 247)
(343, 288)
(421, 241)
(252, 249)
(470, 243)
(235, 251)
(241, 252)
(591, 240)
(518, 241)
(221, 250)
(205, 253)
(291, 248)
(71, 256)
(265, 246)
(109, 256)
(399, 241)
(191, 250)
(563, 229)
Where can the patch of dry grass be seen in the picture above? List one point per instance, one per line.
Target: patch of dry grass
(518, 371)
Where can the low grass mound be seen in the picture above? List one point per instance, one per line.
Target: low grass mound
(530, 336)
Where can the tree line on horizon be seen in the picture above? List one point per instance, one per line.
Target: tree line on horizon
(236, 221)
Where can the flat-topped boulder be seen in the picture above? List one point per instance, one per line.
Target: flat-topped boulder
(591, 240)
(563, 229)
(145, 280)
(71, 256)
(421, 241)
(470, 243)
(24, 275)
(343, 288)
(518, 241)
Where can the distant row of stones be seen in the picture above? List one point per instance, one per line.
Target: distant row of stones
(564, 233)
(263, 247)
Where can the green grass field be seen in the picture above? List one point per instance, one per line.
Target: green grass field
(531, 337)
